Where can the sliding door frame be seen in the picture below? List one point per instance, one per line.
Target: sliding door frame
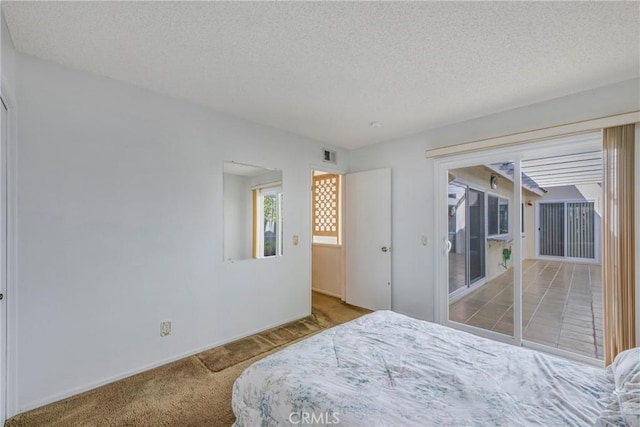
(441, 181)
(514, 153)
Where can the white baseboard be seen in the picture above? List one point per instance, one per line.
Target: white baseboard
(59, 396)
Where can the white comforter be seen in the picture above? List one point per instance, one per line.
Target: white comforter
(388, 369)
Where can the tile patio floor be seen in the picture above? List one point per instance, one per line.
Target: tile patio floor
(457, 277)
(561, 306)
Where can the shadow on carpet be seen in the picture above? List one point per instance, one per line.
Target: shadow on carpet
(220, 358)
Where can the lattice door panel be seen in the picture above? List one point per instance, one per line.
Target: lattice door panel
(326, 205)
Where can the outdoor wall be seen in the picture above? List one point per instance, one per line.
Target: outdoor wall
(413, 280)
(479, 177)
(120, 225)
(530, 229)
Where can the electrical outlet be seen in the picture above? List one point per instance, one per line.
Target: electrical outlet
(425, 241)
(295, 240)
(165, 328)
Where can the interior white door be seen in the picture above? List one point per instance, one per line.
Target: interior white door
(3, 261)
(368, 239)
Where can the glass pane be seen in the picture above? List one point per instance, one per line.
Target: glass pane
(476, 235)
(270, 225)
(492, 212)
(561, 280)
(552, 229)
(480, 266)
(503, 216)
(457, 208)
(581, 230)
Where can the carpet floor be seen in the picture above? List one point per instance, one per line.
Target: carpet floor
(194, 391)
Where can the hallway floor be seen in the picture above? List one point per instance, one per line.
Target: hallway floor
(561, 306)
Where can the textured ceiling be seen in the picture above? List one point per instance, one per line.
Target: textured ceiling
(326, 70)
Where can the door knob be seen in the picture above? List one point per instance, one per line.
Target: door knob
(384, 249)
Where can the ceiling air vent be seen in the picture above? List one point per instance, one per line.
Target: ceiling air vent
(329, 156)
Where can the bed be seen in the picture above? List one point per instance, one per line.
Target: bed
(388, 369)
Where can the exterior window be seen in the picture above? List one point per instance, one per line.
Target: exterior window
(497, 215)
(267, 240)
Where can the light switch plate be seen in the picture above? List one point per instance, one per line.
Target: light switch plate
(295, 240)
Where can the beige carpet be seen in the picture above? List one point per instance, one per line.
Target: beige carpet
(195, 391)
(220, 358)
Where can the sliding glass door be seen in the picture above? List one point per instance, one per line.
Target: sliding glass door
(465, 210)
(567, 229)
(521, 245)
(457, 237)
(551, 229)
(479, 268)
(476, 235)
(581, 236)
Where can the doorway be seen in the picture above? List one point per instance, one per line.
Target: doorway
(327, 254)
(355, 267)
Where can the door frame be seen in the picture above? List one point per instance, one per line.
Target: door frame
(516, 153)
(325, 168)
(441, 173)
(9, 171)
(597, 228)
(342, 229)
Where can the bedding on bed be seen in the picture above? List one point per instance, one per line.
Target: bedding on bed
(389, 369)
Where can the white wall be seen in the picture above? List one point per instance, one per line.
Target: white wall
(8, 90)
(120, 227)
(327, 269)
(267, 178)
(237, 219)
(7, 60)
(412, 199)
